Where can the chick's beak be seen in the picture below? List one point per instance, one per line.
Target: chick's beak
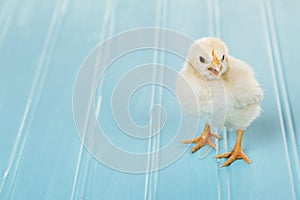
(216, 66)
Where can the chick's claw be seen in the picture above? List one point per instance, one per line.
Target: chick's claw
(235, 154)
(215, 135)
(202, 140)
(200, 144)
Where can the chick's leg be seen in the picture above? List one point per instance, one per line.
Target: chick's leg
(203, 139)
(236, 153)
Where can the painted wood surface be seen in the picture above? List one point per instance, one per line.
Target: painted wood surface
(44, 43)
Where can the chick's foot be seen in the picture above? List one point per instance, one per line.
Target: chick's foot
(204, 139)
(236, 153)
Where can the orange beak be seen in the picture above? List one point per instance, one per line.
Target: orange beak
(216, 67)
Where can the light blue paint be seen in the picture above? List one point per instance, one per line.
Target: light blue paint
(43, 44)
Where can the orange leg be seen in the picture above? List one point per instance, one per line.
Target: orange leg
(203, 139)
(236, 153)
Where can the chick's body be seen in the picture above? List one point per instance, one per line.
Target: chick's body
(242, 93)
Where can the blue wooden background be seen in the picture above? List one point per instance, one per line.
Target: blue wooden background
(42, 46)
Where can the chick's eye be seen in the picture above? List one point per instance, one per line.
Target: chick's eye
(201, 59)
(223, 57)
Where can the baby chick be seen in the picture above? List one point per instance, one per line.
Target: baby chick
(209, 63)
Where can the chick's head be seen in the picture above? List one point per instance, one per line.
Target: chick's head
(209, 57)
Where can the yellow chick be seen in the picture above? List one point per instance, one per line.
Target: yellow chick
(209, 63)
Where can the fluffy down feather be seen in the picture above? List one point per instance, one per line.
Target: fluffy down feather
(242, 93)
